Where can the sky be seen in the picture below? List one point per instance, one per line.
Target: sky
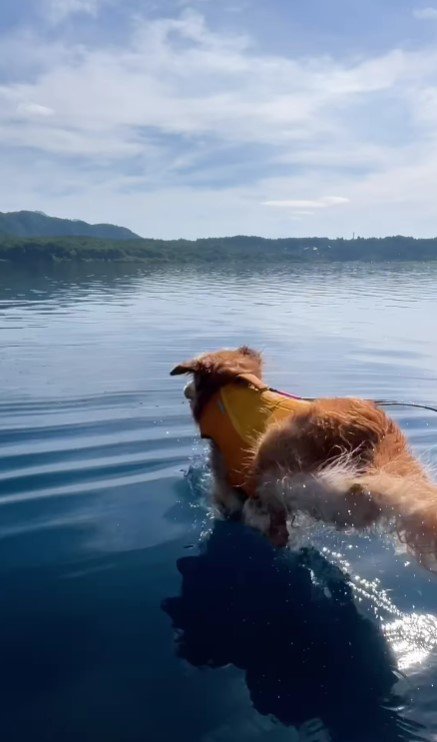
(196, 118)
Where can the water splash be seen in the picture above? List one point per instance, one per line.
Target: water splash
(199, 479)
(412, 636)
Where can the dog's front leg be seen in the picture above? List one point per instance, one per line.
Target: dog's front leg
(268, 515)
(229, 502)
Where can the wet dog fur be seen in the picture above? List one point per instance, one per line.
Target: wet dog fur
(340, 461)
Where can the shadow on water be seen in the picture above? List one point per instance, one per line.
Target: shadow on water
(291, 624)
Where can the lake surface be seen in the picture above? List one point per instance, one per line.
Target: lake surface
(127, 612)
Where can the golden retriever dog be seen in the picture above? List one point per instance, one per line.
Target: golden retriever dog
(273, 456)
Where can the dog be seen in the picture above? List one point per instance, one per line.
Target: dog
(342, 461)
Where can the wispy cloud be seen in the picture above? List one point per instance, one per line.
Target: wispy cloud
(58, 10)
(299, 204)
(180, 77)
(33, 110)
(425, 14)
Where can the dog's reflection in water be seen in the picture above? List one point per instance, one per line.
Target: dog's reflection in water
(289, 621)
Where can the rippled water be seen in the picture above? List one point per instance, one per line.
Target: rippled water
(127, 613)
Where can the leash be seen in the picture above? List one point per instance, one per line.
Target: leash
(389, 403)
(379, 402)
(386, 403)
(261, 386)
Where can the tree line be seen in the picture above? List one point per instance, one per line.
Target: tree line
(216, 250)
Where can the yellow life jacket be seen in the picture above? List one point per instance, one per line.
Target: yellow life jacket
(235, 418)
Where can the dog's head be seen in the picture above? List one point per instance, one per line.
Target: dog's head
(211, 371)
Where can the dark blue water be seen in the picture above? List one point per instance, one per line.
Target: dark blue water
(127, 612)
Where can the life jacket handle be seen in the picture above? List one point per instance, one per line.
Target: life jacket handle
(253, 381)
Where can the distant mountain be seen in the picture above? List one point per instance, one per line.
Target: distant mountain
(37, 224)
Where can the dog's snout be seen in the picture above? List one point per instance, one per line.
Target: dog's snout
(189, 391)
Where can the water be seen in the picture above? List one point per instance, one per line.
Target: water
(127, 612)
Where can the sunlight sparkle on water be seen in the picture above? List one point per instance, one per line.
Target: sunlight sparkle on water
(412, 636)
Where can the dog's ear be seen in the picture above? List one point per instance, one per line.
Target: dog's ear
(188, 367)
(250, 353)
(223, 363)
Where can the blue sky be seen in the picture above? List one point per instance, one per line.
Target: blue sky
(189, 119)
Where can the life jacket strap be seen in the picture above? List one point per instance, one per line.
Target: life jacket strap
(254, 382)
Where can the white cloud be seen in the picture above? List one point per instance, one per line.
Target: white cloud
(425, 14)
(298, 204)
